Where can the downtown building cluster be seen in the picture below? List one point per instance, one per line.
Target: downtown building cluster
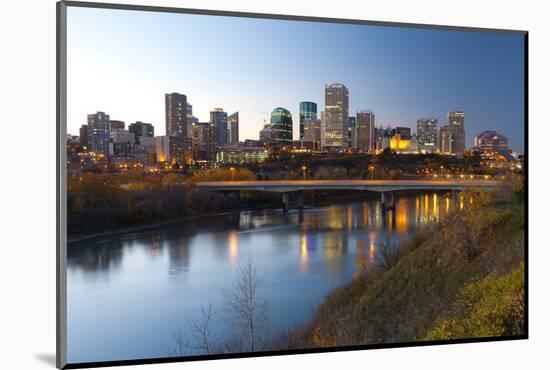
(335, 130)
(189, 142)
(103, 142)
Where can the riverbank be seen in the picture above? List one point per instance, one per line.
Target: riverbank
(333, 199)
(462, 278)
(136, 228)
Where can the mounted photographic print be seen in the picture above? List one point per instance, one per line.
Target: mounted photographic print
(235, 184)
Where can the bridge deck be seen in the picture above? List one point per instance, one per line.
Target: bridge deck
(283, 186)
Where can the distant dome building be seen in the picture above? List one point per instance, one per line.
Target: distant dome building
(491, 141)
(281, 126)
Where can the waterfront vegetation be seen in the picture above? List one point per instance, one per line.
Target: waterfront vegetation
(102, 202)
(462, 277)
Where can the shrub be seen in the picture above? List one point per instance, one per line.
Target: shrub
(492, 306)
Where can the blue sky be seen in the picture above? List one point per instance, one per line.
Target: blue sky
(123, 62)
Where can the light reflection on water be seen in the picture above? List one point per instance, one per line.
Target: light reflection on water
(128, 292)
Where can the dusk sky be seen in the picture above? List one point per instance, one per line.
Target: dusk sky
(123, 62)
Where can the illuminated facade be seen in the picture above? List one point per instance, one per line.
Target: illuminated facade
(241, 155)
(336, 117)
(176, 114)
(426, 129)
(308, 111)
(98, 133)
(402, 141)
(281, 127)
(174, 149)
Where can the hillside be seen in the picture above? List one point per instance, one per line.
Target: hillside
(461, 278)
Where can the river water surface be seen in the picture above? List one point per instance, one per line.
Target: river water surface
(128, 293)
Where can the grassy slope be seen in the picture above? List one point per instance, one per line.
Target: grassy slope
(434, 291)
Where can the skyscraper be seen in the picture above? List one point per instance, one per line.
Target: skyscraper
(218, 119)
(456, 127)
(176, 114)
(233, 128)
(98, 133)
(141, 129)
(308, 111)
(336, 112)
(426, 129)
(281, 126)
(365, 130)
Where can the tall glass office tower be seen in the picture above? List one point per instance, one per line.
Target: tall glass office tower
(281, 126)
(308, 111)
(218, 120)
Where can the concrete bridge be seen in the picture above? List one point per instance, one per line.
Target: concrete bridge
(386, 188)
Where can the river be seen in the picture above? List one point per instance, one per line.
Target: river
(127, 294)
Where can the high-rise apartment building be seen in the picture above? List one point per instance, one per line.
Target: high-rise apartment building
(426, 128)
(336, 117)
(203, 141)
(176, 114)
(98, 133)
(308, 111)
(281, 127)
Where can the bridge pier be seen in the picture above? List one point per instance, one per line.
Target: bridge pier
(285, 202)
(387, 200)
(301, 199)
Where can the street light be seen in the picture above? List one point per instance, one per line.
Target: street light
(232, 169)
(304, 170)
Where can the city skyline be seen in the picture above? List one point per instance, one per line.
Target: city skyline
(488, 72)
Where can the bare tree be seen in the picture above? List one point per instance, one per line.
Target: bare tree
(201, 330)
(181, 343)
(248, 312)
(387, 254)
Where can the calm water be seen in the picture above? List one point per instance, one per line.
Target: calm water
(127, 293)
